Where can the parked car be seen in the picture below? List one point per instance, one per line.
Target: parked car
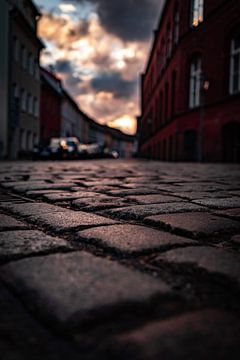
(58, 149)
(72, 147)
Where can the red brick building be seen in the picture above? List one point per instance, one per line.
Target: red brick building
(191, 86)
(50, 106)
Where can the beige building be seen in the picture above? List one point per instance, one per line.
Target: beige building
(21, 122)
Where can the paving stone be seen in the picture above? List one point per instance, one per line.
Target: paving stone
(214, 260)
(204, 334)
(12, 184)
(40, 193)
(70, 220)
(134, 191)
(224, 203)
(236, 239)
(77, 287)
(31, 208)
(23, 338)
(154, 199)
(61, 186)
(193, 195)
(131, 238)
(195, 224)
(7, 222)
(232, 213)
(142, 211)
(26, 242)
(99, 202)
(64, 196)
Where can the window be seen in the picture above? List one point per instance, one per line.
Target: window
(15, 91)
(163, 60)
(30, 63)
(23, 99)
(22, 141)
(197, 7)
(166, 102)
(15, 48)
(36, 70)
(235, 65)
(29, 103)
(23, 57)
(176, 20)
(173, 94)
(29, 140)
(169, 43)
(195, 82)
(35, 107)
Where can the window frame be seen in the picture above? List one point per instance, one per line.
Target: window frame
(195, 82)
(234, 51)
(196, 13)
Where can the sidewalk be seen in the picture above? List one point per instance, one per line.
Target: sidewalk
(115, 259)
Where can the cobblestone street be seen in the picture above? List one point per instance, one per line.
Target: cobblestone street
(115, 259)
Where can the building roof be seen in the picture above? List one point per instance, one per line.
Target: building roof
(156, 32)
(51, 80)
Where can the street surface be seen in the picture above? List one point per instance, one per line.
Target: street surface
(116, 259)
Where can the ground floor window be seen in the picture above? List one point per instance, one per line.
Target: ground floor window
(231, 142)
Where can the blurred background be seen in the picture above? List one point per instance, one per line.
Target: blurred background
(98, 79)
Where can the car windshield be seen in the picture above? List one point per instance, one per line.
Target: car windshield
(71, 143)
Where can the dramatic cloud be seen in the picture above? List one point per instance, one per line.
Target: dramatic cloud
(98, 48)
(63, 66)
(115, 84)
(130, 20)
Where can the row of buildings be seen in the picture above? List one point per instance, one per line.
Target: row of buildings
(34, 105)
(190, 91)
(60, 116)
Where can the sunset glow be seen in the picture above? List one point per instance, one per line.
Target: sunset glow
(98, 65)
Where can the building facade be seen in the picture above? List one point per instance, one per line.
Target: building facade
(24, 78)
(50, 106)
(190, 91)
(72, 119)
(4, 70)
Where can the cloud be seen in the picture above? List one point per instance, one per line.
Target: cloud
(99, 56)
(130, 20)
(114, 83)
(63, 66)
(61, 30)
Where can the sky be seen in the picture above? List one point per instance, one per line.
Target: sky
(99, 48)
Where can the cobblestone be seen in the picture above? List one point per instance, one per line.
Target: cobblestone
(206, 334)
(142, 211)
(68, 220)
(131, 238)
(9, 223)
(154, 199)
(208, 258)
(25, 242)
(29, 209)
(133, 259)
(195, 224)
(225, 203)
(74, 288)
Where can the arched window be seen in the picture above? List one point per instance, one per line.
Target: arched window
(168, 42)
(162, 54)
(176, 20)
(195, 82)
(197, 10)
(235, 64)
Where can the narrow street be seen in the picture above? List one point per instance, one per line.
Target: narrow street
(117, 259)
